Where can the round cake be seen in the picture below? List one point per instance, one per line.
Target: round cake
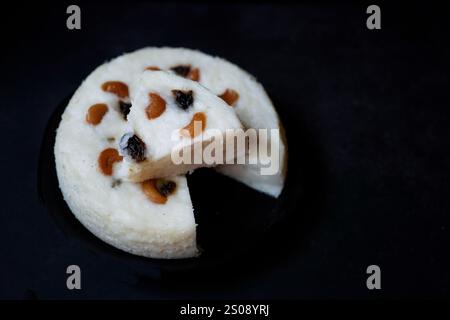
(153, 218)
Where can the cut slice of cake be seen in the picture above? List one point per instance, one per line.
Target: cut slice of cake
(237, 88)
(171, 123)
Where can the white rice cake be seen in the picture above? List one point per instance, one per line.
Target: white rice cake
(164, 109)
(121, 214)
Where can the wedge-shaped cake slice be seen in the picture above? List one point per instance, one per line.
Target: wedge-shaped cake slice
(154, 218)
(235, 86)
(171, 123)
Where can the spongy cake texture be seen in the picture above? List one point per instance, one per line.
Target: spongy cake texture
(162, 135)
(119, 213)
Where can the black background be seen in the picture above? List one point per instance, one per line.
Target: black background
(366, 112)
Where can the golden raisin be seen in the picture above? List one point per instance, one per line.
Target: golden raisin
(230, 96)
(152, 68)
(95, 113)
(106, 160)
(192, 127)
(157, 190)
(120, 89)
(194, 75)
(156, 107)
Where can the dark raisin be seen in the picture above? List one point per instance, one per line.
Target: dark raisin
(135, 147)
(181, 70)
(165, 187)
(124, 108)
(184, 99)
(116, 183)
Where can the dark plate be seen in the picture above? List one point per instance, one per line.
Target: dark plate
(235, 223)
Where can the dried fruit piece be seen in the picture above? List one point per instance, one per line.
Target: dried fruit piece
(192, 129)
(116, 183)
(184, 99)
(152, 68)
(157, 190)
(95, 113)
(194, 75)
(106, 160)
(181, 70)
(149, 188)
(124, 108)
(133, 146)
(186, 71)
(120, 89)
(165, 187)
(230, 96)
(156, 107)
